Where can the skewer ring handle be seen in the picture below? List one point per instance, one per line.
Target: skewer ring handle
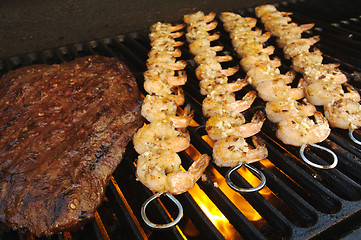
(350, 133)
(158, 225)
(302, 153)
(245, 190)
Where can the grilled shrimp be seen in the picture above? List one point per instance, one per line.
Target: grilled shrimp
(246, 23)
(208, 55)
(175, 53)
(301, 130)
(165, 30)
(160, 171)
(226, 102)
(290, 32)
(220, 85)
(232, 20)
(232, 124)
(262, 73)
(300, 46)
(283, 108)
(213, 69)
(161, 135)
(165, 43)
(162, 88)
(263, 9)
(324, 72)
(199, 17)
(230, 151)
(161, 109)
(259, 59)
(203, 44)
(166, 74)
(308, 59)
(278, 89)
(253, 47)
(321, 93)
(344, 113)
(240, 36)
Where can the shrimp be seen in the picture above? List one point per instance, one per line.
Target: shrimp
(209, 55)
(253, 47)
(220, 85)
(308, 59)
(299, 46)
(278, 89)
(199, 16)
(161, 135)
(239, 36)
(176, 52)
(291, 33)
(160, 171)
(161, 109)
(199, 28)
(159, 58)
(263, 9)
(231, 124)
(230, 151)
(164, 29)
(234, 17)
(301, 130)
(165, 43)
(238, 22)
(173, 65)
(166, 74)
(274, 21)
(161, 87)
(204, 44)
(321, 93)
(213, 69)
(259, 59)
(226, 102)
(269, 16)
(262, 73)
(283, 108)
(343, 113)
(324, 72)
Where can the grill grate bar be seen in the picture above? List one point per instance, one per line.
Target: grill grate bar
(200, 220)
(306, 214)
(124, 212)
(321, 198)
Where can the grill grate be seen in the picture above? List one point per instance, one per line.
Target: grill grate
(303, 202)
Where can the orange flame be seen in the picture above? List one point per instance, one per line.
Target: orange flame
(212, 212)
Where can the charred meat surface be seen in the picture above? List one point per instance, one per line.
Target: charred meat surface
(63, 130)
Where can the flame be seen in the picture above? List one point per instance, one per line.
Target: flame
(212, 212)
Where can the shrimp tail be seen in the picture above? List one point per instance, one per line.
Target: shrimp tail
(260, 152)
(182, 181)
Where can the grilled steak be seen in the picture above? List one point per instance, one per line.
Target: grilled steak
(63, 130)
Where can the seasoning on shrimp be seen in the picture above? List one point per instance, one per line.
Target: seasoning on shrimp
(159, 170)
(301, 130)
(230, 151)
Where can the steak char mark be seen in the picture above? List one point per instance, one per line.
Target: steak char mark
(63, 131)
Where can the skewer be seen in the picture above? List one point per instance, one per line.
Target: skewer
(316, 74)
(214, 83)
(245, 190)
(268, 74)
(159, 225)
(157, 143)
(304, 158)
